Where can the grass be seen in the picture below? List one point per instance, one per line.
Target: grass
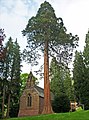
(79, 115)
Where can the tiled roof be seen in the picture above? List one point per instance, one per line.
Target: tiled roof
(41, 92)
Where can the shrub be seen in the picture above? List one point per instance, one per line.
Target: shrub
(61, 104)
(14, 110)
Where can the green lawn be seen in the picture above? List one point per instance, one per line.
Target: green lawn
(79, 115)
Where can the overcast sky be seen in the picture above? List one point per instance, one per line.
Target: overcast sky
(14, 15)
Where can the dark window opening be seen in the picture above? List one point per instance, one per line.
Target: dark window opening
(29, 100)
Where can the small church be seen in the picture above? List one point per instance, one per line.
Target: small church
(32, 99)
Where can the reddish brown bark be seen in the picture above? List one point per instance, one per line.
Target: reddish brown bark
(47, 98)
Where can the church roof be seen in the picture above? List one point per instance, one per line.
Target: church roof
(39, 90)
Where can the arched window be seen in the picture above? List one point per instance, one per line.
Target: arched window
(29, 100)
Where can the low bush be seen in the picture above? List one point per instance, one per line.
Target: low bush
(61, 104)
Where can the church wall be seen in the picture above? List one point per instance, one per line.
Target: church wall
(34, 108)
(41, 104)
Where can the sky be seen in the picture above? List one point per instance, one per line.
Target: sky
(14, 16)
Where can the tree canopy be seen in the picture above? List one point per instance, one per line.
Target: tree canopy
(45, 26)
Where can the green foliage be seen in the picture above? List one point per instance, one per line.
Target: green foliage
(68, 85)
(61, 81)
(57, 86)
(86, 50)
(61, 104)
(78, 75)
(23, 78)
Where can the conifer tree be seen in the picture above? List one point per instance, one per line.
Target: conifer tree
(85, 96)
(12, 74)
(78, 75)
(61, 81)
(57, 78)
(47, 33)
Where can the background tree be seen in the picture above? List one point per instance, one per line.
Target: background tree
(81, 75)
(2, 57)
(11, 74)
(61, 86)
(85, 96)
(16, 81)
(61, 81)
(68, 85)
(78, 75)
(23, 78)
(14, 63)
(45, 32)
(57, 78)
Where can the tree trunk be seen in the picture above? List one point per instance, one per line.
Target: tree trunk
(8, 106)
(3, 99)
(47, 98)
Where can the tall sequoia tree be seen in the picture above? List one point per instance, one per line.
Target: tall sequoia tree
(45, 32)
